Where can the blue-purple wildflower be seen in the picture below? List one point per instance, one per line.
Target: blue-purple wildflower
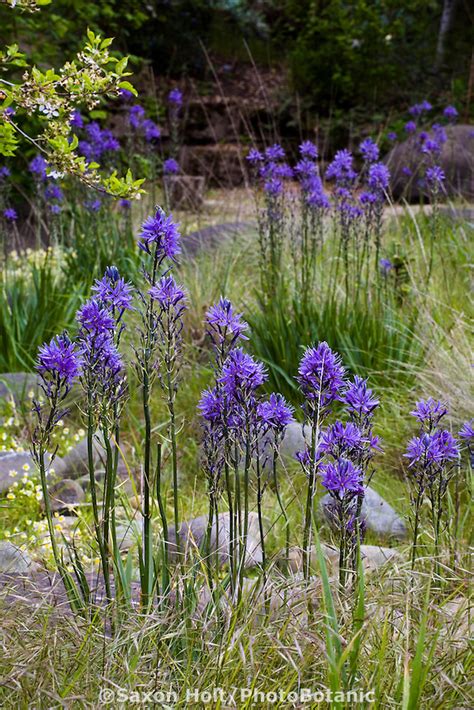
(161, 232)
(321, 374)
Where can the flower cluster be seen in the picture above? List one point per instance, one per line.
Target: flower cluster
(224, 327)
(432, 457)
(160, 234)
(143, 125)
(114, 292)
(369, 150)
(175, 98)
(10, 214)
(171, 167)
(271, 169)
(236, 423)
(321, 375)
(307, 172)
(340, 453)
(98, 142)
(59, 361)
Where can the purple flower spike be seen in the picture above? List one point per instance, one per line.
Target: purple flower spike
(273, 187)
(167, 293)
(10, 214)
(379, 177)
(151, 130)
(308, 150)
(94, 318)
(254, 156)
(241, 374)
(93, 205)
(136, 114)
(59, 359)
(451, 113)
(369, 150)
(429, 411)
(359, 398)
(431, 147)
(466, 433)
(342, 477)
(418, 109)
(223, 321)
(321, 374)
(275, 152)
(410, 127)
(435, 177)
(161, 231)
(175, 97)
(385, 266)
(170, 167)
(38, 167)
(53, 192)
(435, 449)
(275, 413)
(113, 291)
(76, 119)
(211, 406)
(341, 169)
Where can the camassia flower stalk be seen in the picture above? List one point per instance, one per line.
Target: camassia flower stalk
(361, 404)
(59, 365)
(348, 212)
(372, 200)
(314, 205)
(321, 377)
(343, 444)
(270, 172)
(435, 179)
(432, 456)
(170, 301)
(224, 328)
(466, 435)
(240, 378)
(159, 241)
(115, 296)
(343, 481)
(103, 381)
(273, 415)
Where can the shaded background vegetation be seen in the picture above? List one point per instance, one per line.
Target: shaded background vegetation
(339, 54)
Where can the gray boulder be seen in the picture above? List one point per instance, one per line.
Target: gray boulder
(13, 560)
(76, 462)
(456, 159)
(65, 495)
(192, 535)
(373, 557)
(295, 439)
(378, 515)
(11, 461)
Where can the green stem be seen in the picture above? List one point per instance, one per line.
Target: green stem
(282, 508)
(164, 524)
(146, 582)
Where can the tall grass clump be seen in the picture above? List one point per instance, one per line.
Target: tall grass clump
(35, 300)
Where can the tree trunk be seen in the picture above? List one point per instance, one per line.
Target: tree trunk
(445, 25)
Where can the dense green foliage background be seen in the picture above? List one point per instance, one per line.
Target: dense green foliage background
(340, 53)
